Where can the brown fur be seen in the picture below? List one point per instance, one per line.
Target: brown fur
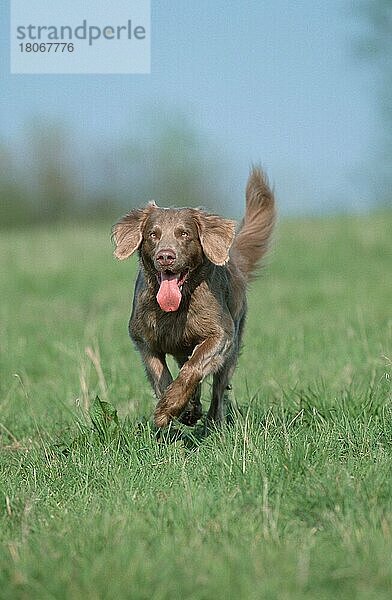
(204, 334)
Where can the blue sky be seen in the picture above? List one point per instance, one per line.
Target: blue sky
(273, 82)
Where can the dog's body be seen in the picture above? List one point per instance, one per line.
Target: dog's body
(190, 295)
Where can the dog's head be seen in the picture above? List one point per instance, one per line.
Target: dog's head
(172, 244)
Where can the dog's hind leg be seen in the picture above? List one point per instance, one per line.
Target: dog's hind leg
(221, 381)
(220, 387)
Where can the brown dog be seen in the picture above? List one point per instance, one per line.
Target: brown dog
(190, 295)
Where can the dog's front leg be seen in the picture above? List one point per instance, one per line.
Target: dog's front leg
(206, 358)
(156, 369)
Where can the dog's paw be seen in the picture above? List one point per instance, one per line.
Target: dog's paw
(171, 405)
(161, 418)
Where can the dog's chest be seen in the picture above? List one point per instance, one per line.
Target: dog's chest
(175, 332)
(168, 333)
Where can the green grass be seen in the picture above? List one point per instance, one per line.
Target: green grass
(292, 501)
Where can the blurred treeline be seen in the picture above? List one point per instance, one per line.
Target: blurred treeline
(52, 174)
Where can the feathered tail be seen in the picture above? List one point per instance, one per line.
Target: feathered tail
(251, 242)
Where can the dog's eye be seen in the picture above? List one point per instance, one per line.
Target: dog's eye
(184, 234)
(153, 235)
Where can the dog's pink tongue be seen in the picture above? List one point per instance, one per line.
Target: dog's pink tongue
(169, 296)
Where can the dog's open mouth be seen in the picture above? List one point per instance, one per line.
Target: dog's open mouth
(170, 288)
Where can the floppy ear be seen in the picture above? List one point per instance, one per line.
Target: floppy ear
(127, 233)
(216, 236)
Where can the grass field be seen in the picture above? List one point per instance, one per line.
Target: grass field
(292, 501)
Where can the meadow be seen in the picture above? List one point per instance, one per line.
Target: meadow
(292, 500)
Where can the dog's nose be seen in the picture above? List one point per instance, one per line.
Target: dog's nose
(166, 257)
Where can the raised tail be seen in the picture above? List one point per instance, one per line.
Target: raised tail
(252, 240)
